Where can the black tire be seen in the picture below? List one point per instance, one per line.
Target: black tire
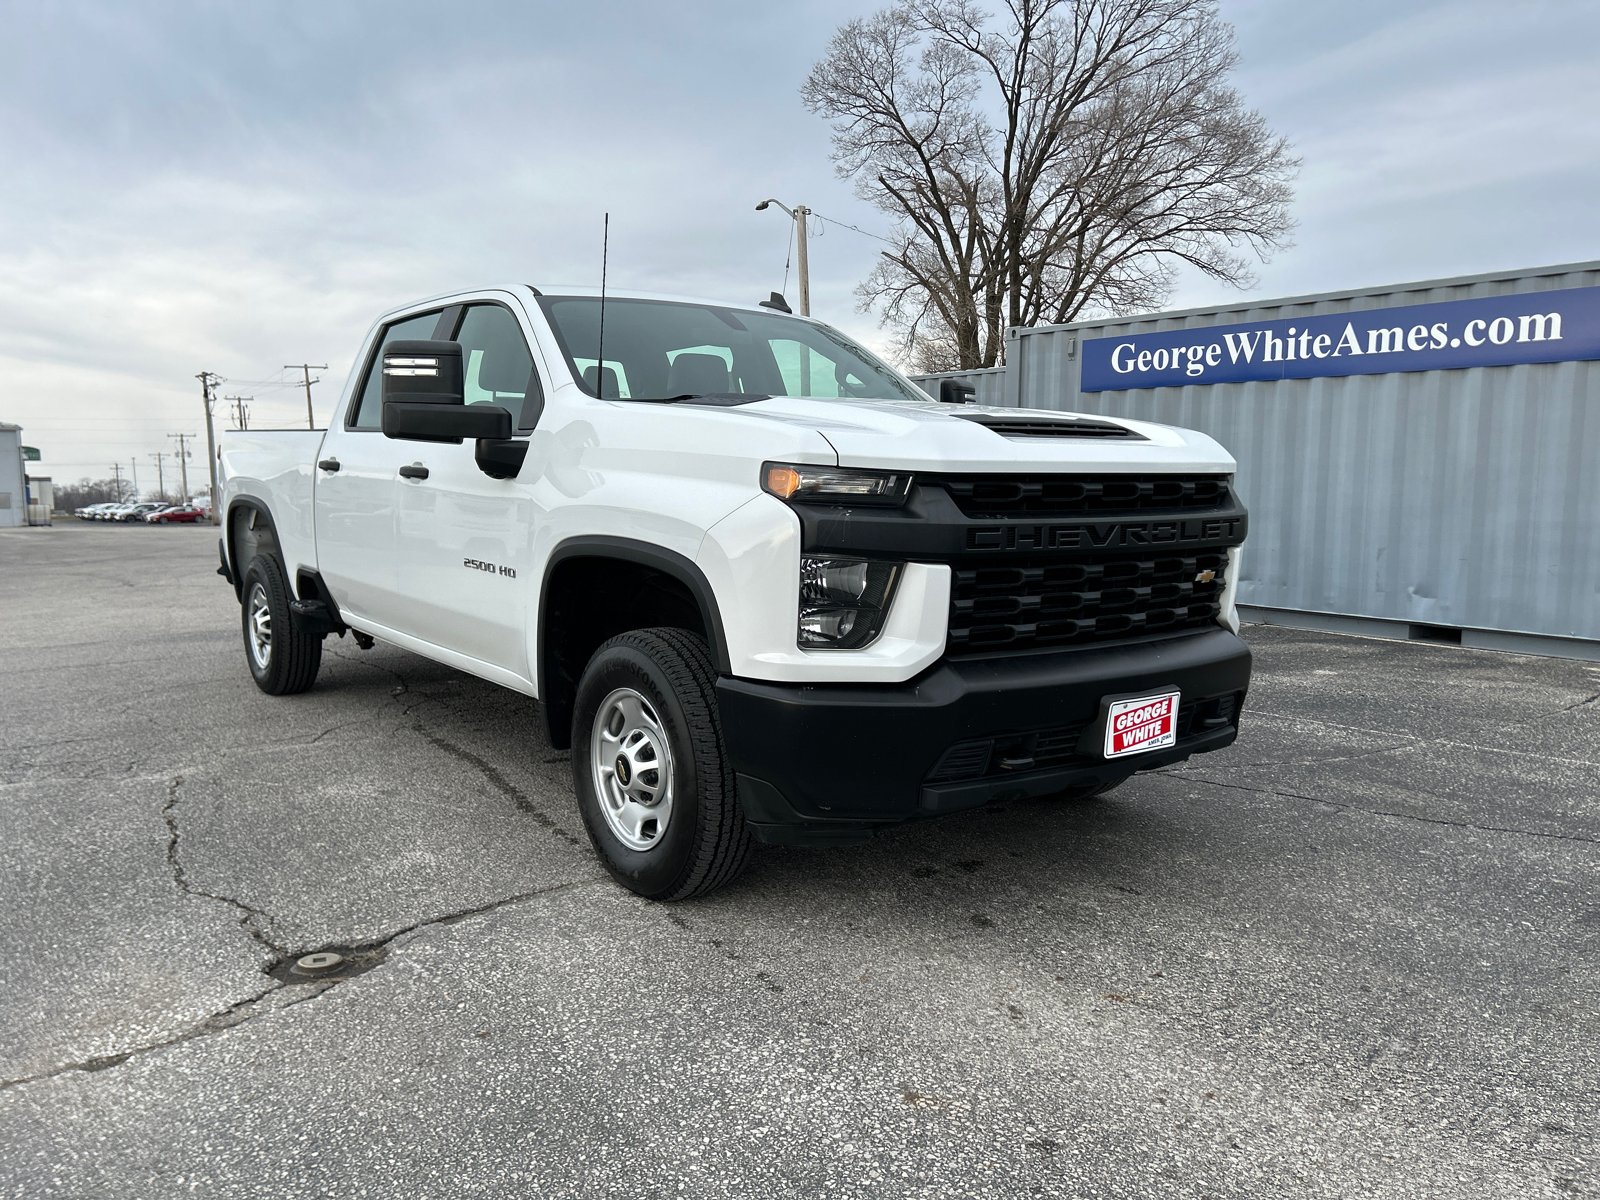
(289, 660)
(705, 842)
(162, 521)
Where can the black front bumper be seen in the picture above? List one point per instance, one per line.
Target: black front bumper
(824, 764)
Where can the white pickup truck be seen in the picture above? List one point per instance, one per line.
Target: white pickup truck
(761, 584)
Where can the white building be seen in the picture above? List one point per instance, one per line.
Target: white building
(13, 486)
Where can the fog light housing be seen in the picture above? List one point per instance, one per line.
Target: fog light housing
(843, 601)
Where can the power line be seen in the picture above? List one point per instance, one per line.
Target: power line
(852, 228)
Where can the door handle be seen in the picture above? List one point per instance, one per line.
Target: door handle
(329, 464)
(417, 472)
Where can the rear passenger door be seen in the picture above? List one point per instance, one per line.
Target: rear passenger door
(463, 539)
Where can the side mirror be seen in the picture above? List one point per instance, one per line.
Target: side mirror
(953, 391)
(424, 400)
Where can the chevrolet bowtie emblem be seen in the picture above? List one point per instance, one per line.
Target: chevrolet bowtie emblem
(1205, 577)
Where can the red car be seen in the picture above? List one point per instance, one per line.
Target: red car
(178, 512)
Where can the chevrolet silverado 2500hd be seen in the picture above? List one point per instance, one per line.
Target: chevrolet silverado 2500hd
(762, 585)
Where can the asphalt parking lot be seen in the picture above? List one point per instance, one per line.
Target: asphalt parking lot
(1354, 955)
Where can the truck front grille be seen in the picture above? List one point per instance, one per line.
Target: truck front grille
(989, 496)
(1040, 602)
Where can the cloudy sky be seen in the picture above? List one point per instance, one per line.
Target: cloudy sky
(232, 187)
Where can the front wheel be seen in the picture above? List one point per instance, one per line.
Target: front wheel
(283, 660)
(654, 784)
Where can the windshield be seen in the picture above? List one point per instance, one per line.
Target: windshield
(660, 349)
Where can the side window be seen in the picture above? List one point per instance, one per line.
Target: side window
(496, 364)
(368, 413)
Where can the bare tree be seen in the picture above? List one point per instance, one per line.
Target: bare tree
(1061, 167)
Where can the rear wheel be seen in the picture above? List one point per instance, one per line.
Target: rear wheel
(283, 660)
(654, 784)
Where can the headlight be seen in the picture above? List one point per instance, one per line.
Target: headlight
(843, 601)
(834, 485)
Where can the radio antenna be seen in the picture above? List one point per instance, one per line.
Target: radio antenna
(600, 353)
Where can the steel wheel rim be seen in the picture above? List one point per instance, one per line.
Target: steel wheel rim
(258, 627)
(630, 761)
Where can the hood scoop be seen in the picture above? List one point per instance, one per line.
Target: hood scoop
(1048, 427)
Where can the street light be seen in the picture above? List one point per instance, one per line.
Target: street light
(799, 212)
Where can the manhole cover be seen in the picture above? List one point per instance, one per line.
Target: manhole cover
(329, 963)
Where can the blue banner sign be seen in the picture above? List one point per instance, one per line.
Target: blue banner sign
(1496, 331)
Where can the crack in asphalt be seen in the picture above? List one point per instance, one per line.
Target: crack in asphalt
(491, 773)
(1317, 762)
(180, 877)
(255, 921)
(1374, 812)
(245, 1010)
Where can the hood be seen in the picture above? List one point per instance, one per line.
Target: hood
(918, 436)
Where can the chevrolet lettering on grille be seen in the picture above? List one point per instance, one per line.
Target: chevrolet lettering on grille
(1106, 535)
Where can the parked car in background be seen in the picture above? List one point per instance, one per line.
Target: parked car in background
(175, 514)
(136, 512)
(91, 512)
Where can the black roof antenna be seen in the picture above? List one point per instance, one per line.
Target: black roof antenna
(600, 352)
(777, 302)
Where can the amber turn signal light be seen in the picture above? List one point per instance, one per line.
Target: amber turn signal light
(783, 481)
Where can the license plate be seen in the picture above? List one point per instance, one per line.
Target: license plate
(1141, 725)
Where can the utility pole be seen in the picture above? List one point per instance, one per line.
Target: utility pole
(116, 473)
(208, 383)
(135, 462)
(800, 213)
(183, 460)
(305, 370)
(161, 481)
(241, 410)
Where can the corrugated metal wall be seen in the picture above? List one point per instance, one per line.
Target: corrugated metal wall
(1466, 498)
(990, 383)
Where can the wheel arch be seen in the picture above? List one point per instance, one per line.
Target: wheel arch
(259, 535)
(593, 556)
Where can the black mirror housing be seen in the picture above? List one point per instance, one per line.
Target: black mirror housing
(424, 372)
(953, 391)
(501, 458)
(415, 421)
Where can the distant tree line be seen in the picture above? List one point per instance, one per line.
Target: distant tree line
(91, 491)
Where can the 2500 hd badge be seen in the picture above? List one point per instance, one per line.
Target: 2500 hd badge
(473, 564)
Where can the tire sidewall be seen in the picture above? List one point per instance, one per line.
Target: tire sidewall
(658, 870)
(264, 571)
